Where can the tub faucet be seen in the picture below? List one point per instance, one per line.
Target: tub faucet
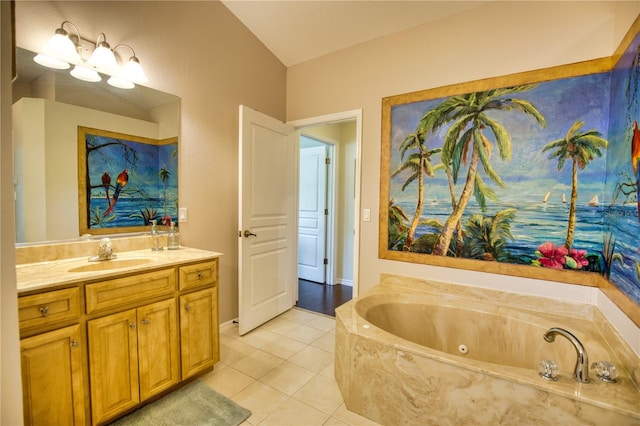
(581, 372)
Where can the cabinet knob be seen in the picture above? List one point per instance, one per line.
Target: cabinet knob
(44, 311)
(132, 325)
(187, 308)
(200, 276)
(145, 321)
(74, 344)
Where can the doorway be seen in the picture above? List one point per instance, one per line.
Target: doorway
(268, 150)
(327, 214)
(315, 215)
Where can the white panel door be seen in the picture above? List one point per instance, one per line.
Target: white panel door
(311, 214)
(267, 218)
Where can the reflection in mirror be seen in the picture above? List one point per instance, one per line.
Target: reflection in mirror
(48, 107)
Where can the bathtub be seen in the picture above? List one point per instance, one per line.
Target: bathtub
(423, 352)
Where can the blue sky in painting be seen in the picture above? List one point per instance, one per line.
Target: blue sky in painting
(530, 173)
(144, 174)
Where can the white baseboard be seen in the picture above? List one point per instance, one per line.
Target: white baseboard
(229, 324)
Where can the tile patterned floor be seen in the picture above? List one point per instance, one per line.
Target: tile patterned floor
(283, 372)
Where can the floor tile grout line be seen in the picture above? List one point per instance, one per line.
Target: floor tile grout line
(232, 335)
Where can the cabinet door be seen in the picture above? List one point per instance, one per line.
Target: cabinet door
(199, 331)
(113, 364)
(158, 347)
(52, 378)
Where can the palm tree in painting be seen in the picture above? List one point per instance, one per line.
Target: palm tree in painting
(164, 174)
(397, 226)
(419, 164)
(580, 148)
(486, 237)
(465, 143)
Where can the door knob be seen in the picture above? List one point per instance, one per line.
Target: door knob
(248, 233)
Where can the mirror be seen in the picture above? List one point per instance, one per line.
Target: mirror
(48, 107)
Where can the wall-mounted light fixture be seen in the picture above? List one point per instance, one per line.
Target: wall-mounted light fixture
(61, 52)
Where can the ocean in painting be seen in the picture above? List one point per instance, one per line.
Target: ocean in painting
(537, 222)
(126, 207)
(149, 171)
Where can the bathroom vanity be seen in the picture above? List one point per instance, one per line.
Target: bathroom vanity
(98, 339)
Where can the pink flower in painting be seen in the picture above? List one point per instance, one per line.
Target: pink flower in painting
(551, 256)
(578, 256)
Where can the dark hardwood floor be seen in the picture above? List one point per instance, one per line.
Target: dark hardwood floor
(322, 298)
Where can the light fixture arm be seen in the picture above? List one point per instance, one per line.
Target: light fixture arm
(102, 43)
(131, 68)
(63, 32)
(133, 53)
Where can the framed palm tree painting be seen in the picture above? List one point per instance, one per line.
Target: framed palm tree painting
(125, 181)
(527, 174)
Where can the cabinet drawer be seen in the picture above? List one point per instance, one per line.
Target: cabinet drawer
(129, 290)
(200, 274)
(48, 308)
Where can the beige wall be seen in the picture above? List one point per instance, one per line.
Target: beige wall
(495, 39)
(10, 387)
(200, 52)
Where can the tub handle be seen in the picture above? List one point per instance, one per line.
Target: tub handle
(606, 371)
(548, 370)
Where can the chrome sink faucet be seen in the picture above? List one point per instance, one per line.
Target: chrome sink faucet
(581, 371)
(105, 251)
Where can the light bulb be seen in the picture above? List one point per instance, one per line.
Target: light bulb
(59, 51)
(103, 58)
(120, 83)
(61, 46)
(50, 62)
(85, 74)
(133, 71)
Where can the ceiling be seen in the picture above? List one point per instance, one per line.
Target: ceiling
(300, 30)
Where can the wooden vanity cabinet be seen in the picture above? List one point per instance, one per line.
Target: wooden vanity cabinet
(52, 358)
(93, 352)
(199, 331)
(113, 364)
(52, 378)
(133, 355)
(158, 351)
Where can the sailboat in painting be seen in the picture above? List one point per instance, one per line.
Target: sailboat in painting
(564, 199)
(594, 201)
(546, 197)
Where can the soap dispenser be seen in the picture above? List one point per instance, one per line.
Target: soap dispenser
(173, 239)
(155, 237)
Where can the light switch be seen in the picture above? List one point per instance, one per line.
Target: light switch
(182, 214)
(366, 215)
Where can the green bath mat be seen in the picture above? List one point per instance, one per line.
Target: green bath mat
(195, 404)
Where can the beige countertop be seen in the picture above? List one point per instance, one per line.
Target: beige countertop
(62, 272)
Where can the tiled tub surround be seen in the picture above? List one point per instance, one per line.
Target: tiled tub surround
(398, 359)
